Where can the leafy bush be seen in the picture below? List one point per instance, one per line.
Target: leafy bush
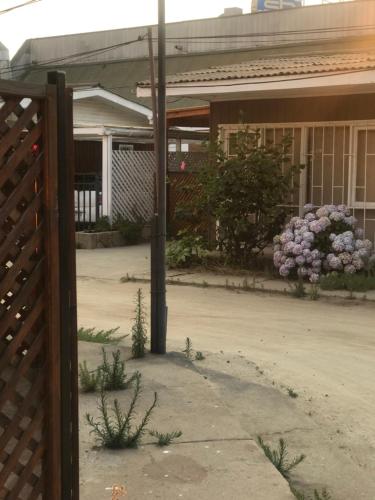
(165, 439)
(246, 193)
(139, 333)
(114, 377)
(185, 251)
(351, 282)
(324, 240)
(131, 230)
(116, 432)
(99, 336)
(102, 225)
(279, 457)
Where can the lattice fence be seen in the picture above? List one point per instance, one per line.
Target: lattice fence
(133, 183)
(30, 451)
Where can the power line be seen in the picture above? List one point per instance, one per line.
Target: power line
(275, 33)
(74, 56)
(5, 11)
(212, 39)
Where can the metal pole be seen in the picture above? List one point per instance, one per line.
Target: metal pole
(158, 290)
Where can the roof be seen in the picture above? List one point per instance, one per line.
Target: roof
(274, 67)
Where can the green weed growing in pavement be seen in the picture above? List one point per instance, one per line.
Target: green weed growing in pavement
(114, 376)
(188, 351)
(292, 393)
(165, 439)
(100, 336)
(314, 292)
(113, 429)
(299, 291)
(324, 495)
(89, 380)
(279, 457)
(199, 356)
(139, 332)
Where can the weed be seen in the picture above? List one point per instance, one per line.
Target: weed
(139, 333)
(205, 284)
(292, 393)
(127, 278)
(100, 336)
(324, 495)
(114, 377)
(167, 438)
(89, 380)
(359, 282)
(314, 292)
(279, 457)
(116, 431)
(299, 291)
(199, 356)
(188, 351)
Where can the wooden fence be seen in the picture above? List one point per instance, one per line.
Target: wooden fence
(38, 395)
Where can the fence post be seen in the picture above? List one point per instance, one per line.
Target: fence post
(68, 307)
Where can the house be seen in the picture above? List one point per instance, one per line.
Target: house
(103, 67)
(324, 97)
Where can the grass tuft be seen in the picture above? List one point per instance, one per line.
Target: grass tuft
(324, 495)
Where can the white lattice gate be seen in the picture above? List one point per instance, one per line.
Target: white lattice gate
(133, 184)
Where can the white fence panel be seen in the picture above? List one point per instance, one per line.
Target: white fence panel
(133, 183)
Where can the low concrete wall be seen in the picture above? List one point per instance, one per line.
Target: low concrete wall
(106, 239)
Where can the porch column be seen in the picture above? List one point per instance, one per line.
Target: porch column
(107, 176)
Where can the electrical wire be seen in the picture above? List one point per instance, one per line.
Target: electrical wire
(74, 56)
(194, 39)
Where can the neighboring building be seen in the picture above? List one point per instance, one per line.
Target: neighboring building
(325, 102)
(4, 58)
(104, 67)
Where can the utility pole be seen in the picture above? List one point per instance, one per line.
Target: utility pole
(158, 288)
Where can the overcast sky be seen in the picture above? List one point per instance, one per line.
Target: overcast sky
(57, 17)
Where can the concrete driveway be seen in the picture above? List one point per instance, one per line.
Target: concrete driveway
(258, 345)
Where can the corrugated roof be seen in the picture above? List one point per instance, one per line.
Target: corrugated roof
(274, 67)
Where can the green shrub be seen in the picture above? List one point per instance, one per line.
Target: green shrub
(102, 224)
(116, 432)
(187, 250)
(139, 332)
(130, 230)
(114, 376)
(247, 192)
(359, 282)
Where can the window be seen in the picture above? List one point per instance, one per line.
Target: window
(363, 182)
(327, 164)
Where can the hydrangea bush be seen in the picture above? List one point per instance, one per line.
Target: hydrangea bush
(325, 239)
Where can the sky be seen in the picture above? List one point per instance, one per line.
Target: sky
(58, 17)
